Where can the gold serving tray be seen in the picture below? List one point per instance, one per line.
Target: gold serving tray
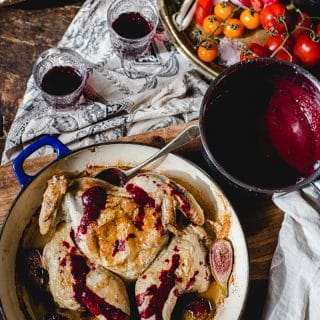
(185, 46)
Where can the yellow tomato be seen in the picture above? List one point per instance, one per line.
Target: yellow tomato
(223, 10)
(233, 28)
(212, 25)
(207, 51)
(250, 19)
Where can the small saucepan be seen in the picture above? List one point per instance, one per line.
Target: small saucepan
(260, 125)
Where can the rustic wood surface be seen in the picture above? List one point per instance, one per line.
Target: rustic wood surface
(26, 30)
(31, 27)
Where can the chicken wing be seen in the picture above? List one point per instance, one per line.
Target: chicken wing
(56, 189)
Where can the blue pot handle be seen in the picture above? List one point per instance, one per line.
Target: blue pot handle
(47, 140)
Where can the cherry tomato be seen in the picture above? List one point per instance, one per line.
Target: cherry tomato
(274, 18)
(254, 50)
(247, 54)
(203, 9)
(273, 42)
(207, 51)
(212, 25)
(307, 50)
(299, 26)
(233, 28)
(250, 19)
(224, 10)
(284, 55)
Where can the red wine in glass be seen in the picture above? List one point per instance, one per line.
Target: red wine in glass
(61, 80)
(131, 25)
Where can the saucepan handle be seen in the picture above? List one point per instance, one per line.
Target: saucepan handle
(47, 140)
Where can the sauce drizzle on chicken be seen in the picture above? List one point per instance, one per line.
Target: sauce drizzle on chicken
(160, 295)
(86, 297)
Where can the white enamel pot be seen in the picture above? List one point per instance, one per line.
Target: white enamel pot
(30, 197)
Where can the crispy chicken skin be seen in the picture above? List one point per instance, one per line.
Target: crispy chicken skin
(179, 269)
(125, 238)
(66, 286)
(56, 189)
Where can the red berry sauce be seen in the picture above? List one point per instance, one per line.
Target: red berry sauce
(87, 298)
(119, 245)
(93, 201)
(159, 295)
(178, 192)
(142, 199)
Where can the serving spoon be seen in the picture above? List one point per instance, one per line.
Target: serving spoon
(120, 177)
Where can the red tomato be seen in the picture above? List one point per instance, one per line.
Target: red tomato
(284, 55)
(275, 18)
(203, 9)
(301, 23)
(254, 50)
(307, 50)
(318, 30)
(247, 54)
(274, 42)
(259, 50)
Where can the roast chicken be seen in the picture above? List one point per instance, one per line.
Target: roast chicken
(123, 233)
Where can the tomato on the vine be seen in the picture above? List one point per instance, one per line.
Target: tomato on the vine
(203, 9)
(233, 28)
(307, 49)
(250, 19)
(303, 22)
(207, 51)
(212, 25)
(318, 30)
(285, 55)
(274, 42)
(224, 9)
(254, 50)
(275, 18)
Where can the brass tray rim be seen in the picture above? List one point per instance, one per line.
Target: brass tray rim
(204, 68)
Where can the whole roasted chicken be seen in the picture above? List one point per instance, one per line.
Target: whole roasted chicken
(122, 234)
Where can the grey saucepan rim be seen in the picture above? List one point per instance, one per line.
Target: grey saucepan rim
(204, 139)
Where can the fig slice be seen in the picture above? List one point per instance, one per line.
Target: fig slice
(221, 262)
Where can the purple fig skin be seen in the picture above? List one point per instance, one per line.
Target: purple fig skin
(221, 263)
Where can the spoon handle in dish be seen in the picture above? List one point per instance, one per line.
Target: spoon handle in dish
(183, 138)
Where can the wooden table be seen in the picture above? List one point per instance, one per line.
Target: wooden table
(28, 29)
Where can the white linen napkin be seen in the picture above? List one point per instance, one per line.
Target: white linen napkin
(156, 90)
(294, 286)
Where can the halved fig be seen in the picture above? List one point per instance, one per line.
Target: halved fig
(221, 263)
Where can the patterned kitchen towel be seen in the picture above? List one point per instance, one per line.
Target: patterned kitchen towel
(156, 90)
